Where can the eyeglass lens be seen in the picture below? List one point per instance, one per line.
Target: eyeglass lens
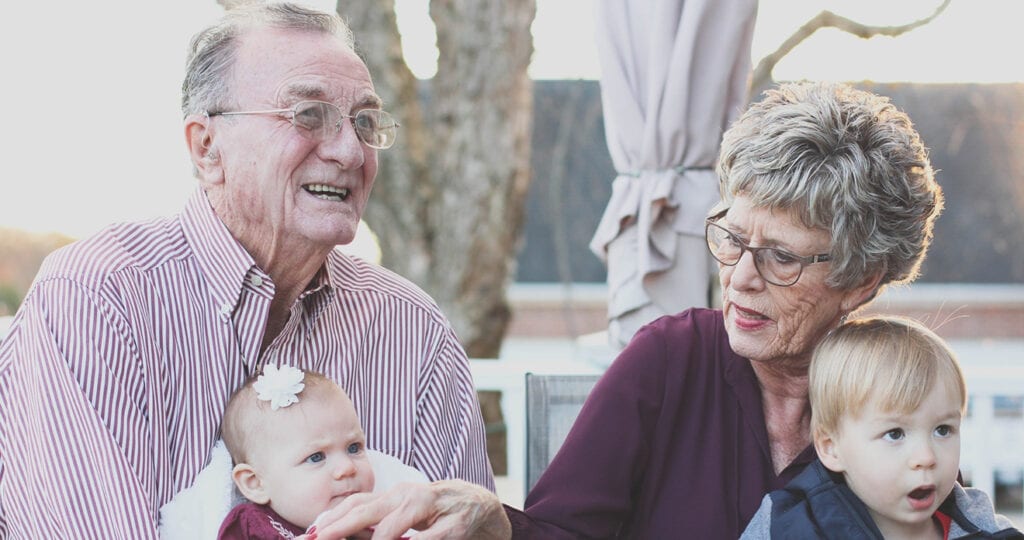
(375, 128)
(774, 265)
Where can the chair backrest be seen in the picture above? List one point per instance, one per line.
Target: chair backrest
(552, 404)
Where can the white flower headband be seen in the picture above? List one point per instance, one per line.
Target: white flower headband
(279, 386)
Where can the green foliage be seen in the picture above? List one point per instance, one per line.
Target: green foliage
(10, 299)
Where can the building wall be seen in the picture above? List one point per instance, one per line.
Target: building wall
(974, 132)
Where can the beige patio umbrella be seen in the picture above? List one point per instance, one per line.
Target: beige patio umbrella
(674, 76)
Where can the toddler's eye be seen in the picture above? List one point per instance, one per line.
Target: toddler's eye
(893, 434)
(944, 431)
(355, 448)
(315, 457)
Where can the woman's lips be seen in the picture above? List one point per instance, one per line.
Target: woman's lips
(748, 319)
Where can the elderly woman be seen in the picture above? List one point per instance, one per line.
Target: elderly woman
(828, 197)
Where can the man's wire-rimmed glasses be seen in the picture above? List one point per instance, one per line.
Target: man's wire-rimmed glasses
(776, 266)
(319, 121)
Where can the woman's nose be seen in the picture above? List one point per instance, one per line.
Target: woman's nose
(744, 272)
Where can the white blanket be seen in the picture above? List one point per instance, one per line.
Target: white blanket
(197, 512)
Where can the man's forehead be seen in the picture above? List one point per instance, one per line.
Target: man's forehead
(312, 66)
(347, 95)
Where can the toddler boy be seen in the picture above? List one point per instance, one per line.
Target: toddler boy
(887, 398)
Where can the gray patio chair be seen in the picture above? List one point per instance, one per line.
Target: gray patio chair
(552, 404)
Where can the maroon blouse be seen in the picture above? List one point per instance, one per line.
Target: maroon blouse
(671, 442)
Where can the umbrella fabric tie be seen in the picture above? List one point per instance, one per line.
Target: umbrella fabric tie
(679, 169)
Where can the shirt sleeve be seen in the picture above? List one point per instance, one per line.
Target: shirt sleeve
(69, 388)
(450, 440)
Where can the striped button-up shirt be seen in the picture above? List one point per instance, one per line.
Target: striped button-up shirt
(117, 367)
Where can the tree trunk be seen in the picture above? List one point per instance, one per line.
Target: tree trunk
(449, 199)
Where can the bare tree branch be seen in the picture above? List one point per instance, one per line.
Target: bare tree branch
(228, 5)
(762, 76)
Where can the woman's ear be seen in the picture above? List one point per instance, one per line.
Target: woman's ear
(249, 483)
(828, 452)
(205, 158)
(861, 294)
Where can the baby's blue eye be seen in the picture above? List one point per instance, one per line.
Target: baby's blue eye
(355, 448)
(315, 457)
(944, 430)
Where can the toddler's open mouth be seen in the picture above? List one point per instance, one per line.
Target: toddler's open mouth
(922, 497)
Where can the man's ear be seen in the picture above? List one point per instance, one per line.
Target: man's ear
(205, 158)
(249, 483)
(828, 452)
(862, 293)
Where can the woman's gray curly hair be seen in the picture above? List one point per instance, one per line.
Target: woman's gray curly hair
(212, 51)
(846, 161)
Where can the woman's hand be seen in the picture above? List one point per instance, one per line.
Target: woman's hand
(444, 509)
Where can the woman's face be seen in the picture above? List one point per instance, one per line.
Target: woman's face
(773, 324)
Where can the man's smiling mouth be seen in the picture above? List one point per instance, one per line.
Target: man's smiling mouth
(327, 193)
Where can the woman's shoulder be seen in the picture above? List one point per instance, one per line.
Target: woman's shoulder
(695, 316)
(688, 345)
(699, 328)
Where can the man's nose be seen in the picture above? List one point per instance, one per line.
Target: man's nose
(343, 146)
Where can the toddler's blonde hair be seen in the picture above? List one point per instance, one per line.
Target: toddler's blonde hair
(895, 359)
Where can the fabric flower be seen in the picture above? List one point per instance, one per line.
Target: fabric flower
(279, 385)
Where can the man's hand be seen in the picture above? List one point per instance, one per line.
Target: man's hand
(444, 509)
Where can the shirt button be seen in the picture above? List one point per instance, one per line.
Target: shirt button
(225, 309)
(256, 281)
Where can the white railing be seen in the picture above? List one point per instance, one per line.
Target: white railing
(5, 324)
(992, 440)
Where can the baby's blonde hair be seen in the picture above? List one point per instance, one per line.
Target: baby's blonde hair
(243, 412)
(893, 358)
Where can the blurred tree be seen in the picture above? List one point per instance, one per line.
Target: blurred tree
(10, 299)
(448, 204)
(22, 253)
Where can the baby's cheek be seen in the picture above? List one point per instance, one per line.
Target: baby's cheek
(369, 480)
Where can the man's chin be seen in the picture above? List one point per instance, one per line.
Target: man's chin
(332, 234)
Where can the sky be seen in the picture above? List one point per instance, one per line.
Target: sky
(94, 133)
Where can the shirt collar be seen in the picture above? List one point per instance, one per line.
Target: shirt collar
(322, 281)
(227, 265)
(222, 260)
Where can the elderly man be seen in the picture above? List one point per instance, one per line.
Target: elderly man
(115, 372)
